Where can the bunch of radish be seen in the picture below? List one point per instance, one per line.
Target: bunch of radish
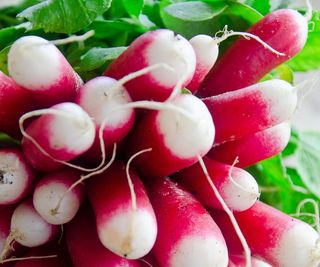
(95, 182)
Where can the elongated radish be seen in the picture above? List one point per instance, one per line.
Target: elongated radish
(176, 138)
(40, 67)
(236, 186)
(253, 109)
(187, 235)
(60, 134)
(49, 191)
(28, 228)
(5, 218)
(16, 176)
(247, 61)
(273, 236)
(253, 148)
(128, 231)
(239, 261)
(85, 247)
(14, 102)
(160, 46)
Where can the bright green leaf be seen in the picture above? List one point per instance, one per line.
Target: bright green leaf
(263, 6)
(64, 16)
(10, 34)
(133, 7)
(3, 59)
(96, 57)
(283, 72)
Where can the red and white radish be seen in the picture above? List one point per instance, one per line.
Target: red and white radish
(253, 148)
(154, 47)
(253, 109)
(274, 236)
(246, 61)
(16, 176)
(236, 186)
(126, 223)
(39, 66)
(177, 137)
(85, 247)
(187, 234)
(51, 189)
(14, 102)
(60, 134)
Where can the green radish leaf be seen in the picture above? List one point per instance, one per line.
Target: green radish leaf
(96, 57)
(64, 16)
(10, 34)
(186, 91)
(4, 59)
(292, 146)
(309, 57)
(283, 72)
(263, 6)
(133, 7)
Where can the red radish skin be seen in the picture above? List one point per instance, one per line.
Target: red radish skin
(98, 98)
(236, 186)
(14, 101)
(16, 176)
(5, 219)
(63, 137)
(41, 68)
(253, 109)
(187, 234)
(273, 236)
(86, 249)
(127, 233)
(176, 140)
(51, 189)
(160, 46)
(285, 30)
(240, 261)
(253, 148)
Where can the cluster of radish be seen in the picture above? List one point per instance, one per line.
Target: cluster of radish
(96, 157)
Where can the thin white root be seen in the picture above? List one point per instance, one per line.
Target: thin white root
(229, 213)
(226, 34)
(308, 14)
(55, 210)
(73, 38)
(8, 244)
(28, 258)
(316, 211)
(144, 261)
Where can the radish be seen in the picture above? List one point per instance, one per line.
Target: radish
(177, 137)
(16, 176)
(273, 236)
(28, 228)
(253, 148)
(38, 65)
(60, 134)
(14, 102)
(239, 261)
(85, 247)
(253, 108)
(236, 186)
(160, 46)
(285, 30)
(187, 235)
(51, 189)
(125, 220)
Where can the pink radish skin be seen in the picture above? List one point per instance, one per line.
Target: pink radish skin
(16, 176)
(187, 234)
(127, 233)
(236, 186)
(160, 46)
(51, 189)
(5, 219)
(253, 108)
(14, 101)
(62, 137)
(98, 99)
(293, 242)
(240, 261)
(253, 148)
(285, 30)
(207, 52)
(28, 227)
(39, 66)
(86, 249)
(176, 140)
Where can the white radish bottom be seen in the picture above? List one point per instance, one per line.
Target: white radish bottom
(127, 235)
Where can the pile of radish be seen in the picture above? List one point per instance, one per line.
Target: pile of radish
(128, 169)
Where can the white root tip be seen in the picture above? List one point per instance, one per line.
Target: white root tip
(73, 38)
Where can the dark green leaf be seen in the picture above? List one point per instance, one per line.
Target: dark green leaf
(10, 34)
(263, 6)
(3, 59)
(292, 145)
(64, 16)
(133, 7)
(96, 57)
